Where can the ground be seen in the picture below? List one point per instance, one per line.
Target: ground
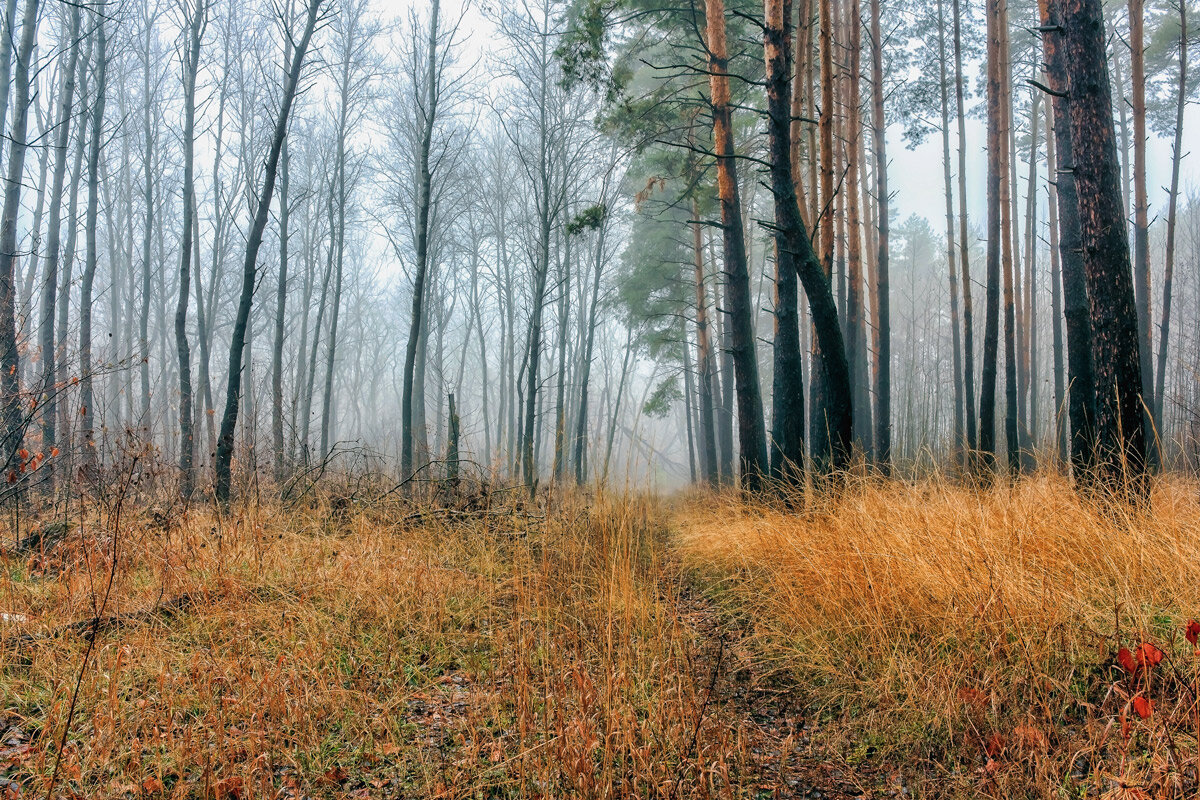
(900, 639)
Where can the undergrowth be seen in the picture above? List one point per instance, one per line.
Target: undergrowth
(1016, 641)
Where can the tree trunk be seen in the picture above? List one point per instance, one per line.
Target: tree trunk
(49, 388)
(955, 338)
(407, 421)
(1081, 400)
(751, 427)
(1056, 307)
(225, 442)
(187, 444)
(1120, 423)
(704, 359)
(883, 385)
(964, 244)
(87, 412)
(1164, 329)
(10, 389)
(1141, 222)
(787, 413)
(996, 141)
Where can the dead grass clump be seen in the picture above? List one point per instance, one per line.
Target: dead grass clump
(977, 633)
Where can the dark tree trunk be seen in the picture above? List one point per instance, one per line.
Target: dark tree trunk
(883, 386)
(1120, 423)
(225, 441)
(787, 411)
(739, 300)
(187, 443)
(996, 140)
(1164, 330)
(1081, 397)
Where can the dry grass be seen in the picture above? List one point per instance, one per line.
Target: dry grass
(974, 634)
(363, 651)
(559, 649)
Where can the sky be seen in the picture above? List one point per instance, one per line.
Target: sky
(914, 175)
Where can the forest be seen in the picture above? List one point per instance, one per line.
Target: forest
(599, 398)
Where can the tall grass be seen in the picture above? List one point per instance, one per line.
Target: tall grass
(974, 634)
(378, 649)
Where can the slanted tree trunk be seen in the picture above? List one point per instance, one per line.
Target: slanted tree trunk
(739, 300)
(1120, 423)
(225, 442)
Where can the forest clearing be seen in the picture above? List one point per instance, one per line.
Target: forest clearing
(1008, 642)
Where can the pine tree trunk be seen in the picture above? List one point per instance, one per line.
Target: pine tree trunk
(1081, 399)
(1164, 329)
(1120, 423)
(739, 301)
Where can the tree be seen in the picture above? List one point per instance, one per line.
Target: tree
(225, 443)
(195, 21)
(1120, 423)
(49, 387)
(12, 432)
(751, 427)
(1081, 404)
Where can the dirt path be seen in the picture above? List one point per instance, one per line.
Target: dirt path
(787, 757)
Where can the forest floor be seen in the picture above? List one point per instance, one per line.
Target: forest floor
(904, 639)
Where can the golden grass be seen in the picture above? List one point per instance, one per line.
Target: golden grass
(553, 649)
(372, 651)
(973, 633)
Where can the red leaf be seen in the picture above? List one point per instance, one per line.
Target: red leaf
(1125, 659)
(995, 745)
(1192, 634)
(1149, 655)
(1143, 707)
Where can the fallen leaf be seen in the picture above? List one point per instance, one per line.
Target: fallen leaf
(1143, 706)
(334, 775)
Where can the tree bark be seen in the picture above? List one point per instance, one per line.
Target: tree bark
(883, 385)
(1081, 399)
(225, 442)
(49, 388)
(1120, 423)
(751, 426)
